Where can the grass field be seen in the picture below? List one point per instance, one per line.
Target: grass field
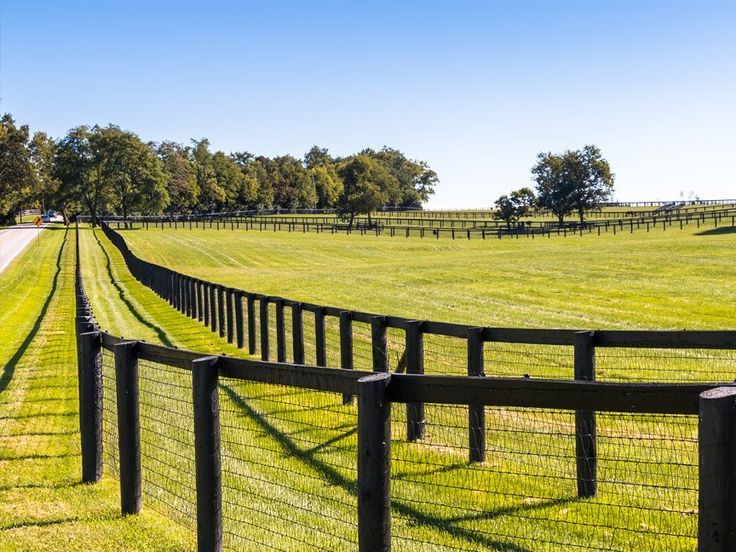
(524, 499)
(289, 454)
(43, 506)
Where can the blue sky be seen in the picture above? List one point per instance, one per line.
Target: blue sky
(477, 89)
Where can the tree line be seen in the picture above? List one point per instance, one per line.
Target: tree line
(574, 181)
(99, 170)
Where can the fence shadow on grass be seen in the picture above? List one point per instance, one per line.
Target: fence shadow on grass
(10, 366)
(720, 231)
(160, 333)
(334, 478)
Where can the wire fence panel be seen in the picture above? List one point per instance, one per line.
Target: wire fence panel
(665, 365)
(362, 347)
(110, 458)
(524, 495)
(288, 468)
(167, 441)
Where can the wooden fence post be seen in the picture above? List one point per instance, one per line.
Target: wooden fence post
(229, 307)
(346, 347)
(717, 459)
(251, 310)
(206, 303)
(213, 307)
(129, 429)
(264, 327)
(221, 310)
(297, 333)
(280, 331)
(374, 464)
(239, 334)
(415, 421)
(379, 344)
(207, 454)
(200, 307)
(90, 405)
(476, 412)
(585, 430)
(320, 338)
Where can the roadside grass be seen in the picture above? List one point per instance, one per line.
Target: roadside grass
(43, 504)
(289, 454)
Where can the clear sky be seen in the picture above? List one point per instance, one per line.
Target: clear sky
(477, 89)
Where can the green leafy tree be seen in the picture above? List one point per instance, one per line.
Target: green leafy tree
(211, 195)
(43, 154)
(181, 177)
(17, 177)
(365, 182)
(511, 208)
(574, 181)
(132, 171)
(231, 179)
(292, 184)
(79, 165)
(413, 181)
(327, 183)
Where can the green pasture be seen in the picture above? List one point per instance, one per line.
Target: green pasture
(290, 453)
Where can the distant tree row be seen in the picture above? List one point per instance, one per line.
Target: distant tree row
(98, 170)
(574, 181)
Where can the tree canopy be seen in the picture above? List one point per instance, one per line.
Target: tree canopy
(101, 170)
(573, 181)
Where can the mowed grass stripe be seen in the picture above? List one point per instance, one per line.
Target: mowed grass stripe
(43, 505)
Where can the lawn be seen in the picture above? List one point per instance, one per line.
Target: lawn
(43, 505)
(289, 454)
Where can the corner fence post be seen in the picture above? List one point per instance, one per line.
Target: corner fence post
(585, 430)
(264, 328)
(717, 459)
(297, 333)
(129, 429)
(476, 412)
(90, 405)
(346, 347)
(239, 333)
(379, 344)
(415, 422)
(374, 464)
(207, 454)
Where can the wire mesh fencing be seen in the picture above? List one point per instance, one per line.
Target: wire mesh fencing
(524, 495)
(167, 441)
(288, 468)
(111, 458)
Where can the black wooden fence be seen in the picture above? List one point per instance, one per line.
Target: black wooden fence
(384, 513)
(430, 227)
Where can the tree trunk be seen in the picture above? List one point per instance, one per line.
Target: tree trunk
(350, 223)
(370, 224)
(560, 219)
(581, 212)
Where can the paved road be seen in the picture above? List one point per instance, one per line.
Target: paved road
(13, 241)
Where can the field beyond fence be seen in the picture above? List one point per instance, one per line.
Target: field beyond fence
(441, 449)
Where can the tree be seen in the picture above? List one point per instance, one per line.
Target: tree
(17, 178)
(510, 208)
(365, 183)
(43, 153)
(574, 181)
(230, 178)
(181, 178)
(318, 157)
(211, 194)
(413, 181)
(78, 166)
(327, 184)
(131, 170)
